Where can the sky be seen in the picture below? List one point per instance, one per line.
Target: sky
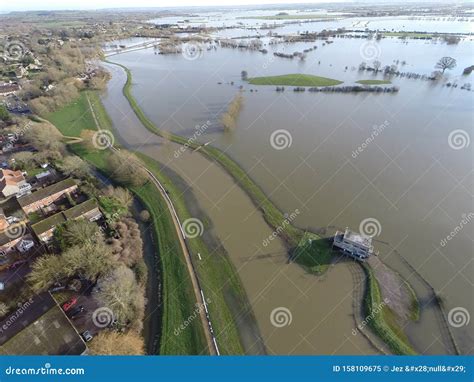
(24, 5)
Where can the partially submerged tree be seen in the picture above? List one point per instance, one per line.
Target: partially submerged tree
(446, 63)
(377, 64)
(229, 118)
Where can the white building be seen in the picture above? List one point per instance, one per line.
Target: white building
(13, 183)
(353, 244)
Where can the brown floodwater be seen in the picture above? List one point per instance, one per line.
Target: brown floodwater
(407, 176)
(321, 308)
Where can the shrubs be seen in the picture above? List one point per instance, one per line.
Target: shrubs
(127, 247)
(72, 165)
(120, 292)
(229, 118)
(90, 261)
(112, 343)
(127, 170)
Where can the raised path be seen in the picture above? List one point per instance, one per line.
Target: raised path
(199, 293)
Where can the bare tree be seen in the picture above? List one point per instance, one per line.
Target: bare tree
(446, 63)
(73, 165)
(113, 343)
(377, 64)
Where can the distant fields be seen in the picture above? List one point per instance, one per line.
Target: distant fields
(294, 80)
(291, 17)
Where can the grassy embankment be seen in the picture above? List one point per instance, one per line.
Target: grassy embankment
(374, 82)
(382, 319)
(314, 256)
(178, 300)
(294, 80)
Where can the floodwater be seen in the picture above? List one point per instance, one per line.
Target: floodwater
(321, 308)
(410, 177)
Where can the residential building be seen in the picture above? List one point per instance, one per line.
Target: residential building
(44, 230)
(8, 88)
(13, 183)
(46, 196)
(38, 327)
(7, 242)
(353, 244)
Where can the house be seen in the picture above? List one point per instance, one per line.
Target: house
(7, 242)
(47, 196)
(8, 88)
(44, 229)
(353, 244)
(13, 183)
(39, 326)
(4, 224)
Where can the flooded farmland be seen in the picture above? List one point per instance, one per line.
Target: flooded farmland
(409, 176)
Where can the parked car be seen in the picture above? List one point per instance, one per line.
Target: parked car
(69, 304)
(25, 245)
(87, 336)
(75, 311)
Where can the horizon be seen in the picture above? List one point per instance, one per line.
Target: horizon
(90, 5)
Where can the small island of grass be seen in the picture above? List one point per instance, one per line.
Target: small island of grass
(294, 80)
(374, 82)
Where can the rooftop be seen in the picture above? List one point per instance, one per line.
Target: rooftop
(10, 177)
(45, 192)
(80, 209)
(357, 238)
(63, 216)
(40, 328)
